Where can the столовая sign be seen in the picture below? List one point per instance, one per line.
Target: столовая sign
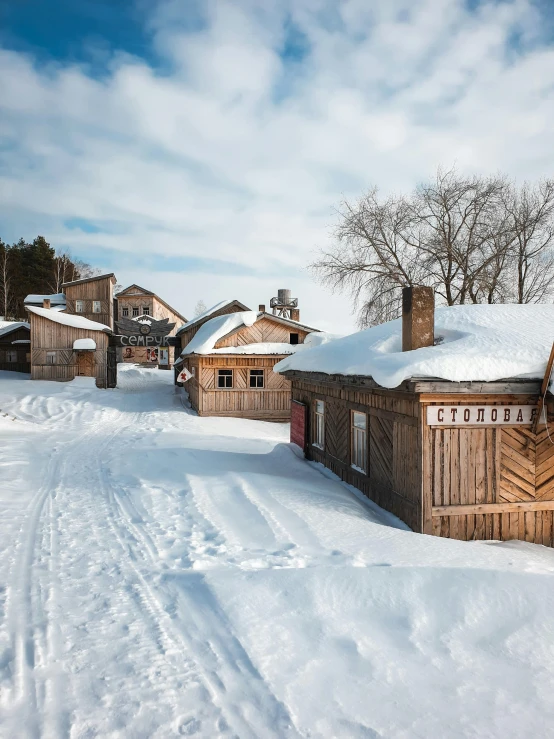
(481, 415)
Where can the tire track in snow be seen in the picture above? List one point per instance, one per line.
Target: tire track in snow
(201, 630)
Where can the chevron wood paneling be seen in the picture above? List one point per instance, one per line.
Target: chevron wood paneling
(337, 430)
(381, 451)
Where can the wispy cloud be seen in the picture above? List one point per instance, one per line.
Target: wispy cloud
(233, 138)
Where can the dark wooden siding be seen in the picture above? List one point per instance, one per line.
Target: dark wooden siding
(23, 363)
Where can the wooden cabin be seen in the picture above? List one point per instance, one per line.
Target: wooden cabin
(15, 346)
(459, 459)
(230, 358)
(91, 298)
(139, 304)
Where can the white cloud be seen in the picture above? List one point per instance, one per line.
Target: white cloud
(239, 155)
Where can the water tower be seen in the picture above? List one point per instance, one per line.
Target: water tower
(285, 306)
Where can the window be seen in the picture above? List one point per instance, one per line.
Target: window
(319, 424)
(79, 306)
(125, 312)
(11, 355)
(294, 338)
(146, 310)
(50, 357)
(256, 378)
(225, 378)
(358, 447)
(135, 312)
(96, 306)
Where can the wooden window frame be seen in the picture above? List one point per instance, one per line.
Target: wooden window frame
(259, 374)
(125, 312)
(359, 451)
(51, 356)
(79, 306)
(228, 374)
(95, 304)
(318, 439)
(146, 310)
(135, 312)
(11, 356)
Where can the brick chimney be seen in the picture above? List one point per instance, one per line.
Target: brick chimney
(46, 303)
(261, 308)
(418, 317)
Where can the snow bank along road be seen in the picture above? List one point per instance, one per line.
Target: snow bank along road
(164, 575)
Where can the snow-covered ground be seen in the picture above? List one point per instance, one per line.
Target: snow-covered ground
(163, 574)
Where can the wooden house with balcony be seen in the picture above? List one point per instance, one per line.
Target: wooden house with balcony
(227, 362)
(438, 417)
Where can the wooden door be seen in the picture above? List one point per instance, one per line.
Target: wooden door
(85, 364)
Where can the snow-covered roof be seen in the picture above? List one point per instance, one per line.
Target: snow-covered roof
(22, 341)
(68, 320)
(84, 344)
(207, 313)
(207, 336)
(315, 339)
(6, 327)
(477, 342)
(56, 299)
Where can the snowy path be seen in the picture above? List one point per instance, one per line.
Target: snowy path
(165, 575)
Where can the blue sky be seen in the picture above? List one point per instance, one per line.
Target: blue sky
(200, 149)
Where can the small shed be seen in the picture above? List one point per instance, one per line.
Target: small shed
(230, 360)
(15, 346)
(65, 346)
(432, 417)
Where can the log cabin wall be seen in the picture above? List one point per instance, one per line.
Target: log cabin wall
(22, 355)
(99, 289)
(393, 478)
(271, 403)
(494, 482)
(49, 337)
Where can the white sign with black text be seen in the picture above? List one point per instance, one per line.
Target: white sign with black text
(481, 415)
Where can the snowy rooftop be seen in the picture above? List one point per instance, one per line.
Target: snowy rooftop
(68, 320)
(7, 327)
(215, 329)
(206, 313)
(477, 342)
(56, 299)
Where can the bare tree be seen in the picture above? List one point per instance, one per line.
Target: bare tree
(473, 239)
(199, 308)
(5, 280)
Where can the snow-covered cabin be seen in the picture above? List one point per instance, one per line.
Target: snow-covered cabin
(432, 417)
(230, 357)
(15, 346)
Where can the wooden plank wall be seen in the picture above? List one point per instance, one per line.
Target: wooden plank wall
(264, 330)
(48, 335)
(489, 483)
(101, 290)
(23, 363)
(394, 475)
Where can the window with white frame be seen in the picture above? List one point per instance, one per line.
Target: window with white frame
(224, 378)
(96, 306)
(256, 378)
(125, 312)
(319, 424)
(11, 355)
(358, 446)
(79, 306)
(135, 312)
(50, 357)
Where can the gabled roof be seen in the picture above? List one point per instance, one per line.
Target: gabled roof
(5, 330)
(67, 319)
(91, 279)
(220, 327)
(147, 293)
(203, 317)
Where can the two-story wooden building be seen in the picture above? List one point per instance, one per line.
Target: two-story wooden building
(139, 304)
(75, 342)
(433, 417)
